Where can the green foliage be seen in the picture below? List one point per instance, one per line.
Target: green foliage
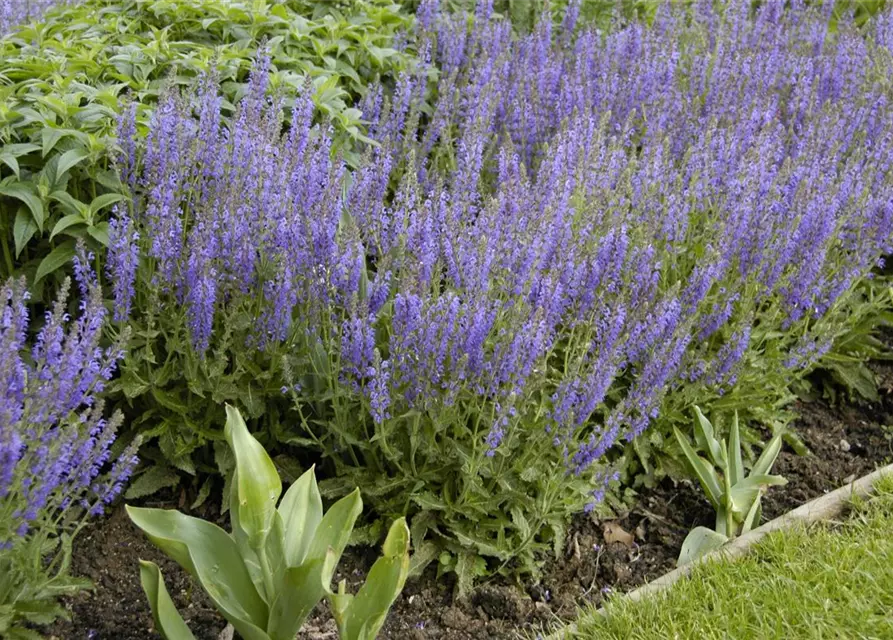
(268, 574)
(844, 368)
(734, 494)
(63, 83)
(33, 576)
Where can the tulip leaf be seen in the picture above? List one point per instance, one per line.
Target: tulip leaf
(301, 511)
(699, 542)
(211, 555)
(706, 439)
(257, 484)
(301, 589)
(363, 616)
(702, 469)
(736, 464)
(767, 458)
(334, 530)
(168, 621)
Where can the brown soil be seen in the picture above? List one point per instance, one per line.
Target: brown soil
(846, 442)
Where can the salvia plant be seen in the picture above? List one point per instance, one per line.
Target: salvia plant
(580, 239)
(66, 77)
(269, 573)
(733, 493)
(56, 462)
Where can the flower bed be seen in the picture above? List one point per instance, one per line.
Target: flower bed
(845, 442)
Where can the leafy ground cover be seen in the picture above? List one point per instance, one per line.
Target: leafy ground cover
(828, 581)
(66, 78)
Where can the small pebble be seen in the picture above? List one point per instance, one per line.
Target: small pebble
(844, 445)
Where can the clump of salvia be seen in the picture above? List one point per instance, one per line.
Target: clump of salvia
(513, 279)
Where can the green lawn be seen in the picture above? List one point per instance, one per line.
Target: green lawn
(819, 582)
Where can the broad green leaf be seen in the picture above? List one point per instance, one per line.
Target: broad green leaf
(764, 463)
(66, 222)
(699, 542)
(70, 159)
(209, 554)
(249, 555)
(367, 611)
(50, 138)
(23, 229)
(258, 486)
(736, 465)
(100, 233)
(25, 192)
(10, 161)
(168, 621)
(301, 511)
(705, 474)
(106, 199)
(71, 204)
(57, 258)
(302, 588)
(334, 530)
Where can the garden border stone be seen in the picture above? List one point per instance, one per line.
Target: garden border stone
(819, 509)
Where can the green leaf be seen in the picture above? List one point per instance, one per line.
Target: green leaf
(706, 439)
(23, 229)
(152, 481)
(764, 463)
(301, 511)
(57, 258)
(334, 530)
(70, 159)
(257, 483)
(106, 199)
(736, 464)
(209, 554)
(168, 621)
(366, 612)
(66, 222)
(25, 192)
(100, 233)
(752, 519)
(10, 161)
(705, 474)
(699, 542)
(303, 587)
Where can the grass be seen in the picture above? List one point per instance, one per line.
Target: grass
(825, 581)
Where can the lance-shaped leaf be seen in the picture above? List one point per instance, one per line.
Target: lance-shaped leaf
(361, 617)
(705, 473)
(334, 530)
(257, 482)
(706, 439)
(168, 621)
(767, 458)
(301, 511)
(736, 465)
(211, 555)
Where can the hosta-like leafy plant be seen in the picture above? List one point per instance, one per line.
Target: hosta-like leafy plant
(733, 493)
(268, 574)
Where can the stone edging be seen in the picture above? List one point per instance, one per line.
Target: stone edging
(821, 508)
